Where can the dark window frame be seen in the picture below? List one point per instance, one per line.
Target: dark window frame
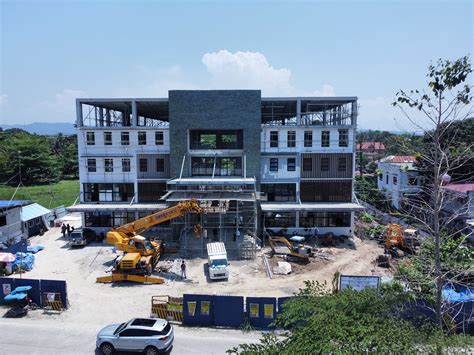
(159, 140)
(273, 165)
(124, 138)
(291, 166)
(126, 165)
(108, 165)
(143, 165)
(308, 139)
(291, 139)
(307, 164)
(141, 137)
(91, 168)
(342, 164)
(274, 139)
(90, 138)
(325, 139)
(324, 164)
(343, 137)
(107, 138)
(160, 165)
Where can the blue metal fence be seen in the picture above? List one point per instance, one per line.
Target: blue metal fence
(261, 311)
(198, 310)
(228, 311)
(8, 284)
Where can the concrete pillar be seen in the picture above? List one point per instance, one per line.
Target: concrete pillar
(298, 112)
(101, 117)
(354, 113)
(107, 116)
(134, 114)
(79, 116)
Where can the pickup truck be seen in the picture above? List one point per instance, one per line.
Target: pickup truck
(81, 237)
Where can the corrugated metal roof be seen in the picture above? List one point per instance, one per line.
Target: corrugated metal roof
(13, 203)
(464, 188)
(32, 211)
(399, 159)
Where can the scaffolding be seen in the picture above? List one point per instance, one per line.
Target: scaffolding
(229, 217)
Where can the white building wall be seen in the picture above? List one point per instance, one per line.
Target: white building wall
(116, 151)
(393, 191)
(11, 232)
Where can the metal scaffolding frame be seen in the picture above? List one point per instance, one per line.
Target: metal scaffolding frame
(221, 220)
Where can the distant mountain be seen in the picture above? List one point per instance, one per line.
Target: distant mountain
(45, 128)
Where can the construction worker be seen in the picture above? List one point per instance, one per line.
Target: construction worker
(63, 230)
(183, 270)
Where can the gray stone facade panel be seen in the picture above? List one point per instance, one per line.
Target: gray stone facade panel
(215, 109)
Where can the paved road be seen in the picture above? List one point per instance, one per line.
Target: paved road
(50, 337)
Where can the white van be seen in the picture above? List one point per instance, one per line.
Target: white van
(217, 261)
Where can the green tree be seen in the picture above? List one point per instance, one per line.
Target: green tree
(348, 322)
(444, 103)
(28, 154)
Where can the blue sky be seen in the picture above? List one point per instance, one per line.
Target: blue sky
(55, 51)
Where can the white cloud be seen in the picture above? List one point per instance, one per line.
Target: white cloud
(3, 99)
(63, 101)
(252, 70)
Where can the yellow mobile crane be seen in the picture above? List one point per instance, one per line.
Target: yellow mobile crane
(141, 255)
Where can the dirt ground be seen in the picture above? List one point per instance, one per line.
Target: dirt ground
(102, 302)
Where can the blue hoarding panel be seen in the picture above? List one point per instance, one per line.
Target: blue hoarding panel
(261, 311)
(228, 311)
(34, 293)
(198, 310)
(7, 285)
(56, 286)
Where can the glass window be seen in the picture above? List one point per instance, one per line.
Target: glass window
(395, 180)
(307, 164)
(125, 138)
(308, 138)
(90, 138)
(325, 138)
(143, 165)
(141, 138)
(108, 165)
(91, 165)
(412, 181)
(3, 221)
(291, 164)
(324, 164)
(325, 219)
(342, 164)
(343, 138)
(107, 138)
(279, 192)
(381, 176)
(159, 138)
(273, 164)
(125, 165)
(216, 139)
(386, 179)
(273, 139)
(160, 165)
(291, 139)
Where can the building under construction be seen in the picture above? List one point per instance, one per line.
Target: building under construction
(253, 163)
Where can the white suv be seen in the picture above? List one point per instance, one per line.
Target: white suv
(153, 336)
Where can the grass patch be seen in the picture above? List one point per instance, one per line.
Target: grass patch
(63, 193)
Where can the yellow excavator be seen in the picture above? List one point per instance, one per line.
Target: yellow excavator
(400, 241)
(140, 254)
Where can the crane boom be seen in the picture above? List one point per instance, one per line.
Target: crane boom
(143, 224)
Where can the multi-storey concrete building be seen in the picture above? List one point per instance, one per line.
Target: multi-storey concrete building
(253, 162)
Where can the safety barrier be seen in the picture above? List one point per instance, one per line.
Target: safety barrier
(38, 289)
(228, 311)
(52, 302)
(166, 307)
